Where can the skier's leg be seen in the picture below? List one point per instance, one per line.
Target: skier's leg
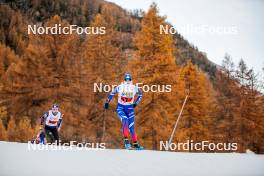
(42, 137)
(124, 120)
(131, 124)
(49, 134)
(125, 133)
(121, 114)
(55, 134)
(125, 127)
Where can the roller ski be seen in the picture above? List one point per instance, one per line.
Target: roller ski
(134, 146)
(127, 144)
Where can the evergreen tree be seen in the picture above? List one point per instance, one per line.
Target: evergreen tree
(196, 119)
(103, 64)
(24, 130)
(3, 133)
(228, 116)
(7, 57)
(250, 107)
(155, 65)
(11, 130)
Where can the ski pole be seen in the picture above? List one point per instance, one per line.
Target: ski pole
(179, 116)
(103, 134)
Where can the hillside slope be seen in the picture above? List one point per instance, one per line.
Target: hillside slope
(39, 70)
(82, 13)
(16, 159)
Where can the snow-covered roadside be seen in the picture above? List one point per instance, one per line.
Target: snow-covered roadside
(16, 159)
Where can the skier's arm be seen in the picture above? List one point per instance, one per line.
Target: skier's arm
(139, 96)
(115, 91)
(60, 122)
(109, 98)
(42, 120)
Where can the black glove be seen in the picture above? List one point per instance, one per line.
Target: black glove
(134, 105)
(106, 105)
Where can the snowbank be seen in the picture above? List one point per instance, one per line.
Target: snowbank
(17, 159)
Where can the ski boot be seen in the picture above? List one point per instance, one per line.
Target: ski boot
(136, 146)
(127, 144)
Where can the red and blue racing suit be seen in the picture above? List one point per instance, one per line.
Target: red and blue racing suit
(125, 107)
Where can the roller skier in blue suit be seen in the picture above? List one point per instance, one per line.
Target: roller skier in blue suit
(125, 109)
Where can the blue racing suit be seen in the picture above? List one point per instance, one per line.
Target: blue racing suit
(125, 107)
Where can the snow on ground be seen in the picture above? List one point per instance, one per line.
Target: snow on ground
(17, 159)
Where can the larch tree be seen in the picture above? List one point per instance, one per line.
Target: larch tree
(24, 130)
(13, 29)
(228, 117)
(11, 130)
(47, 73)
(154, 64)
(196, 119)
(102, 64)
(3, 132)
(239, 113)
(250, 107)
(7, 57)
